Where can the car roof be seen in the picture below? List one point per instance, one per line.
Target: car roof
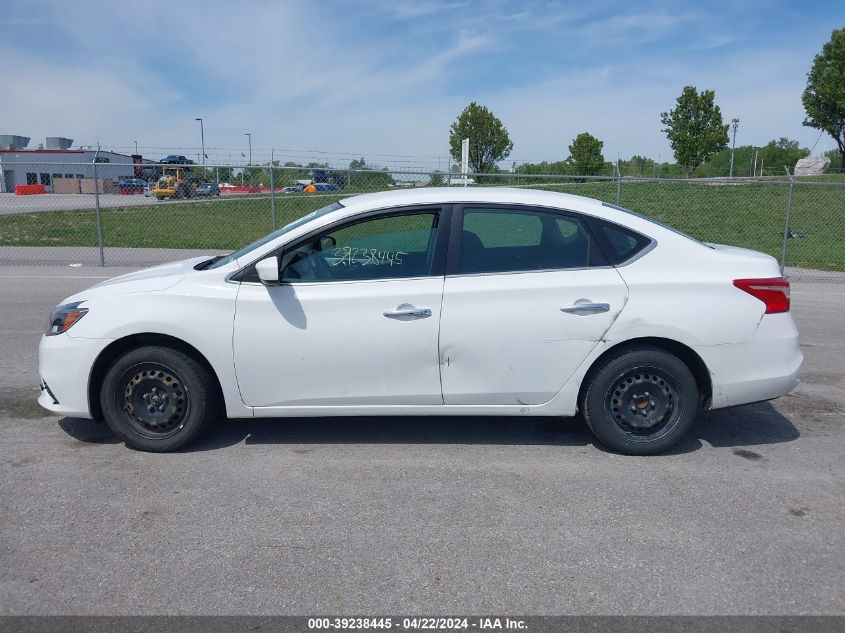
(352, 206)
(440, 195)
(503, 195)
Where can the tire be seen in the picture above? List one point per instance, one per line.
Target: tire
(158, 399)
(640, 401)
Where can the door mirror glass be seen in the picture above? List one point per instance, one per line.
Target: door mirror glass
(268, 271)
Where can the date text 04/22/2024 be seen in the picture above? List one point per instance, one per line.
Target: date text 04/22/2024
(418, 623)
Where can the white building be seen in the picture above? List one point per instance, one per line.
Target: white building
(44, 166)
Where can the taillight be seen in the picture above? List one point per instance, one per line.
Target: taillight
(773, 291)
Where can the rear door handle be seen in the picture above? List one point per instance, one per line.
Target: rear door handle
(584, 308)
(408, 313)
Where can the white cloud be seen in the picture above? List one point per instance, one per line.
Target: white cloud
(300, 75)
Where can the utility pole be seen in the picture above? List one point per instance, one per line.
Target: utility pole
(249, 136)
(734, 125)
(202, 139)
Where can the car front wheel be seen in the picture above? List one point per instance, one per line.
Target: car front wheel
(158, 399)
(640, 400)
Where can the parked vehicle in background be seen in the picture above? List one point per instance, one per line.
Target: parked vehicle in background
(294, 188)
(176, 159)
(207, 189)
(131, 185)
(173, 184)
(433, 301)
(326, 186)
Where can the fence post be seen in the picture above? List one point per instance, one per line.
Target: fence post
(272, 193)
(97, 206)
(618, 184)
(786, 223)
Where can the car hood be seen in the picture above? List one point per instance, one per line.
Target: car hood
(147, 280)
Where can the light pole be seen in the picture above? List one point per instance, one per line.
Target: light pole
(136, 147)
(202, 139)
(734, 124)
(249, 136)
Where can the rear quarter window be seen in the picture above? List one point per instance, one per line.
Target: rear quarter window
(618, 242)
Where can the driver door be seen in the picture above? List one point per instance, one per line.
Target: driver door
(354, 321)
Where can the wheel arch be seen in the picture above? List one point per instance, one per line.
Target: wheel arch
(686, 354)
(119, 346)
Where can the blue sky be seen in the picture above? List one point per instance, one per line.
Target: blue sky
(386, 78)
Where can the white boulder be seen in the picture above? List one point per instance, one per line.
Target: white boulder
(812, 166)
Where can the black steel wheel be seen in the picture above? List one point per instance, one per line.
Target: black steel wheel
(642, 403)
(155, 400)
(640, 400)
(158, 399)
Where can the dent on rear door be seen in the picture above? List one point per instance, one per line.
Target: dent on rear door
(505, 339)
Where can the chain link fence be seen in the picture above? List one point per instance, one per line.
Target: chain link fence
(124, 214)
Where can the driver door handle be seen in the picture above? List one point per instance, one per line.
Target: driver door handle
(584, 308)
(408, 313)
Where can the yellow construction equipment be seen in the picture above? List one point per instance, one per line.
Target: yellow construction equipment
(172, 185)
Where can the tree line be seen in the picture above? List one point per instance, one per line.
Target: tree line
(695, 129)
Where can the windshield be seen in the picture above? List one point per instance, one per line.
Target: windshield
(272, 236)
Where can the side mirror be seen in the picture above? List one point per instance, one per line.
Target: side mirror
(268, 271)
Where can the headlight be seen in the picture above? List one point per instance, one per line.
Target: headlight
(63, 318)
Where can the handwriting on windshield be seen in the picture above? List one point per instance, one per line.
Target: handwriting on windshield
(350, 256)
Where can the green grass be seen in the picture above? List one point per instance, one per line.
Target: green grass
(747, 215)
(750, 216)
(224, 223)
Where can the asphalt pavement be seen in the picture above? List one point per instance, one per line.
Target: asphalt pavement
(422, 515)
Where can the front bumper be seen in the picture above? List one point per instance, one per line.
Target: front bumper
(762, 368)
(64, 364)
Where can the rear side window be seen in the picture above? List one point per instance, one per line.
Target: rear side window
(504, 229)
(497, 240)
(618, 243)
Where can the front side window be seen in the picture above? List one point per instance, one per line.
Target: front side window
(246, 250)
(31, 179)
(499, 240)
(386, 247)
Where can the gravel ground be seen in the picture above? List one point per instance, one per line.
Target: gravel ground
(434, 515)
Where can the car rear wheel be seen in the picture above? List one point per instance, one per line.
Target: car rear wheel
(158, 399)
(640, 401)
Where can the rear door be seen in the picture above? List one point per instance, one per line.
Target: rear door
(527, 296)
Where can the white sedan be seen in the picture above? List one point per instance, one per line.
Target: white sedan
(476, 301)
